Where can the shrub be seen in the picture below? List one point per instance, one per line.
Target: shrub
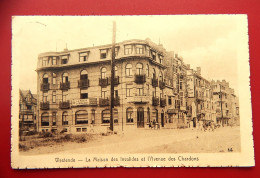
(45, 134)
(23, 147)
(80, 138)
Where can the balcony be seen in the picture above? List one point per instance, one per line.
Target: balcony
(140, 79)
(65, 86)
(83, 83)
(117, 101)
(141, 99)
(64, 105)
(162, 102)
(45, 86)
(44, 105)
(103, 82)
(161, 84)
(92, 101)
(104, 102)
(154, 82)
(156, 101)
(116, 80)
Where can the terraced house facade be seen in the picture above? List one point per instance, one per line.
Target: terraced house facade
(74, 88)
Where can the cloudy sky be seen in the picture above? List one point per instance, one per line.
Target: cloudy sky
(208, 41)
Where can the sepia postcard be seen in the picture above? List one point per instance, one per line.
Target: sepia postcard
(131, 91)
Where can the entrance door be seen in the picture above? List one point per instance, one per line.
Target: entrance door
(140, 118)
(162, 119)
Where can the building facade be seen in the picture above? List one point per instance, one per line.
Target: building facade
(27, 110)
(74, 88)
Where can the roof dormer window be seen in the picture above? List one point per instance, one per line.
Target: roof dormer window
(45, 61)
(54, 60)
(103, 53)
(64, 59)
(83, 56)
(139, 49)
(128, 49)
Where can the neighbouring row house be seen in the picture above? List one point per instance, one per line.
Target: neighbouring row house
(151, 84)
(27, 110)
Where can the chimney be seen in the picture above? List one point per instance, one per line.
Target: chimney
(198, 70)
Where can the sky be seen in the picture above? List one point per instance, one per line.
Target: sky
(206, 41)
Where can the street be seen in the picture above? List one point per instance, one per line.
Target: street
(153, 141)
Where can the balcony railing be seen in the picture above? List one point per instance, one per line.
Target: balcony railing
(103, 82)
(116, 80)
(83, 83)
(65, 86)
(140, 79)
(104, 102)
(156, 101)
(45, 86)
(44, 105)
(162, 102)
(64, 105)
(161, 84)
(141, 99)
(154, 82)
(93, 101)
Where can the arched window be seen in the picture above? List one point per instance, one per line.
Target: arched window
(83, 75)
(45, 119)
(147, 70)
(139, 69)
(65, 77)
(160, 76)
(129, 115)
(54, 117)
(128, 69)
(65, 119)
(103, 73)
(54, 77)
(105, 116)
(116, 72)
(154, 73)
(45, 78)
(155, 115)
(81, 117)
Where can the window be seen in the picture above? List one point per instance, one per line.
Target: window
(54, 118)
(54, 96)
(116, 93)
(64, 96)
(105, 116)
(148, 115)
(81, 117)
(139, 69)
(83, 94)
(139, 49)
(54, 77)
(161, 59)
(180, 84)
(83, 57)
(93, 116)
(129, 89)
(45, 61)
(45, 97)
(64, 59)
(65, 119)
(103, 73)
(154, 73)
(103, 93)
(128, 49)
(116, 72)
(65, 78)
(169, 100)
(45, 78)
(129, 115)
(128, 69)
(83, 75)
(45, 119)
(161, 76)
(147, 70)
(103, 53)
(140, 91)
(153, 55)
(54, 60)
